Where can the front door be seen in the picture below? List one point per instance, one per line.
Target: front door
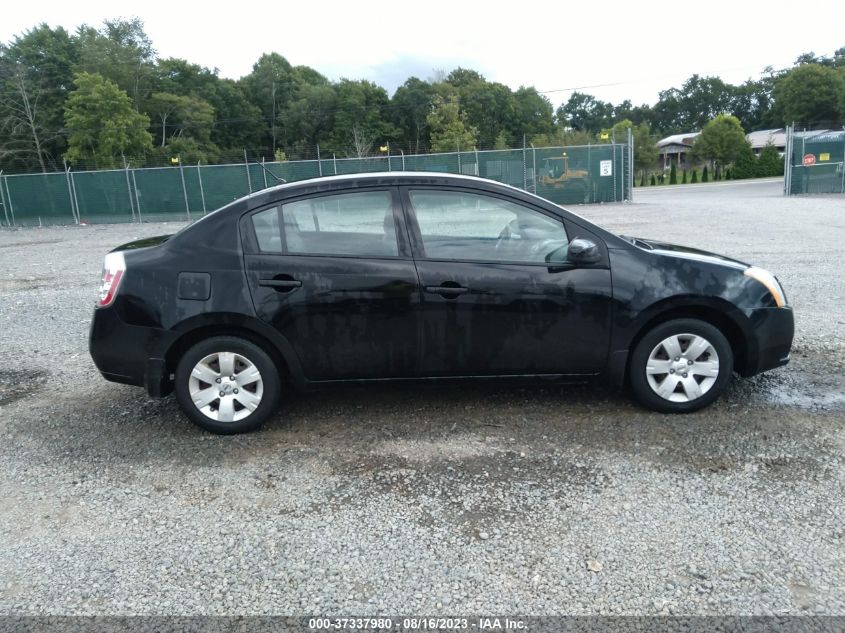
(334, 275)
(499, 297)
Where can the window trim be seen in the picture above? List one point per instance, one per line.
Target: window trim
(418, 246)
(251, 245)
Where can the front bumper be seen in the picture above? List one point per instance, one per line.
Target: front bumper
(772, 330)
(129, 354)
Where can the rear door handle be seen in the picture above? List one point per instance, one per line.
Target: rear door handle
(447, 292)
(282, 285)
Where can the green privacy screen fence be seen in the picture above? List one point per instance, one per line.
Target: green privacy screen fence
(815, 162)
(565, 175)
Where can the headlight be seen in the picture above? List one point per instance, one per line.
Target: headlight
(768, 279)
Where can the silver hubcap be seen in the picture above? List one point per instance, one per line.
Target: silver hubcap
(682, 367)
(226, 387)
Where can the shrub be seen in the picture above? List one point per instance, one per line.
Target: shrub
(745, 165)
(704, 175)
(694, 176)
(673, 175)
(769, 163)
(684, 178)
(653, 182)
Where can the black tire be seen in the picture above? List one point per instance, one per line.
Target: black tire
(638, 376)
(271, 385)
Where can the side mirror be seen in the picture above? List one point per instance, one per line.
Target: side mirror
(583, 251)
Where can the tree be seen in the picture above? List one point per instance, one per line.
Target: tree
(585, 112)
(309, 120)
(692, 105)
(103, 124)
(721, 140)
(409, 110)
(673, 174)
(769, 162)
(270, 86)
(237, 123)
(745, 163)
(121, 52)
(811, 94)
(449, 132)
(705, 177)
(534, 113)
(36, 74)
(359, 114)
(694, 178)
(182, 116)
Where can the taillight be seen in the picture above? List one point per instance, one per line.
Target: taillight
(113, 269)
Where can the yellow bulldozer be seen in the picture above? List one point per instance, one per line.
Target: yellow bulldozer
(556, 172)
(560, 184)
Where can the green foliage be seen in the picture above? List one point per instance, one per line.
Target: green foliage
(102, 123)
(728, 174)
(449, 132)
(684, 178)
(694, 178)
(359, 123)
(745, 163)
(279, 156)
(652, 182)
(121, 52)
(585, 112)
(721, 140)
(561, 137)
(705, 177)
(769, 162)
(409, 111)
(673, 175)
(36, 75)
(810, 94)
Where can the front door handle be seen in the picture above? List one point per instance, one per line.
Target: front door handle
(447, 290)
(281, 283)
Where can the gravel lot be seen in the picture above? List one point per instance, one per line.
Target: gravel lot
(396, 500)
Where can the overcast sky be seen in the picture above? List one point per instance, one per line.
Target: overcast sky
(614, 50)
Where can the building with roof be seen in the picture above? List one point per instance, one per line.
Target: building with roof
(676, 149)
(761, 138)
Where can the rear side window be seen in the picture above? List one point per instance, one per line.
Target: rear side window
(360, 223)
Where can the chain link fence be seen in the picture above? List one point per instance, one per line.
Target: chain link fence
(814, 161)
(564, 175)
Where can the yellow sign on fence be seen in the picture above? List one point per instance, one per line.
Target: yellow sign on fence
(824, 156)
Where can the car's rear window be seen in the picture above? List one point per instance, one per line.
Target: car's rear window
(359, 223)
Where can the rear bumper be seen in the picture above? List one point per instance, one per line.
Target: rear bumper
(129, 354)
(773, 330)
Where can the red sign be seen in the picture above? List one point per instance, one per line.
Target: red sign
(809, 159)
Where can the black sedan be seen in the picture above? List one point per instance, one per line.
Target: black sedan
(419, 276)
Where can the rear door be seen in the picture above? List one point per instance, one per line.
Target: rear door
(334, 275)
(499, 297)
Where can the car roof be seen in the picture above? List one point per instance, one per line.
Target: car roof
(382, 177)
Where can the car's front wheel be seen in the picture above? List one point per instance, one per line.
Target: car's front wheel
(227, 385)
(681, 366)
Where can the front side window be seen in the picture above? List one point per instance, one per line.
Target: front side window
(360, 223)
(457, 225)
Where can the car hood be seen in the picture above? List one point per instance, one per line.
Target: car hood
(143, 243)
(687, 252)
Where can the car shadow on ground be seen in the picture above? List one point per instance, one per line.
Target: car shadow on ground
(389, 425)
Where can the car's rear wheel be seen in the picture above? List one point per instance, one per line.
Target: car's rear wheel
(681, 366)
(227, 385)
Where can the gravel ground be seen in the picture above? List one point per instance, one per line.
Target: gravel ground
(478, 499)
